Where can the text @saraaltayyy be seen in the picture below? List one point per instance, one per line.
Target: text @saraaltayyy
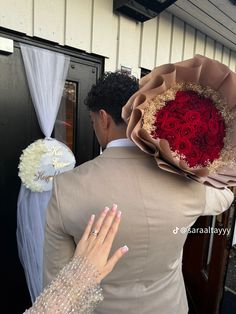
(219, 231)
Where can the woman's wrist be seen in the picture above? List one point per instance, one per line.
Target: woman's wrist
(75, 289)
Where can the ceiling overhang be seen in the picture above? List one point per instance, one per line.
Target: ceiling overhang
(215, 18)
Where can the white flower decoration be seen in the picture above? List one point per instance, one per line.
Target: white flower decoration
(41, 161)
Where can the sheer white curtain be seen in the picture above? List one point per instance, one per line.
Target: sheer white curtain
(46, 73)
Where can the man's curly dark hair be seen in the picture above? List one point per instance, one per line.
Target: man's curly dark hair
(110, 93)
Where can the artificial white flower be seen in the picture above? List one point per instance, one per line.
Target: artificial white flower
(41, 161)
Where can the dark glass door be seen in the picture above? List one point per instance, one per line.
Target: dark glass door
(73, 126)
(64, 130)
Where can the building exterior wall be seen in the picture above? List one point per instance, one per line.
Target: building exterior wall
(92, 26)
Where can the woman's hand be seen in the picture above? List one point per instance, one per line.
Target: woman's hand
(97, 240)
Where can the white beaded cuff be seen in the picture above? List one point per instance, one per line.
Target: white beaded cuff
(75, 290)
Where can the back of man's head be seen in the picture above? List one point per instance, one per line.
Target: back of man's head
(110, 93)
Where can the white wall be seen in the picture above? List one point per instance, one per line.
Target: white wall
(91, 25)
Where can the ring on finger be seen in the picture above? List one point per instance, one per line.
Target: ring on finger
(94, 233)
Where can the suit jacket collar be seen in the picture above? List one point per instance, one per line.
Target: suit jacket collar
(124, 152)
(121, 142)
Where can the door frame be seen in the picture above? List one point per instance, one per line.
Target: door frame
(14, 272)
(45, 44)
(74, 54)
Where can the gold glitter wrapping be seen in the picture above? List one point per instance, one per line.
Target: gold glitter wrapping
(159, 102)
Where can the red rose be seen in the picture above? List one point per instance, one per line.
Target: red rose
(193, 126)
(213, 126)
(172, 138)
(205, 115)
(187, 131)
(183, 146)
(194, 158)
(203, 159)
(211, 140)
(183, 97)
(192, 116)
(162, 115)
(201, 128)
(169, 124)
(215, 153)
(199, 142)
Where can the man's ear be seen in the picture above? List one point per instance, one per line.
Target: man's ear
(104, 118)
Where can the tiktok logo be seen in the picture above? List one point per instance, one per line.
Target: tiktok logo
(175, 230)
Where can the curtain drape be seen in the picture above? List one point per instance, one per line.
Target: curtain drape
(46, 73)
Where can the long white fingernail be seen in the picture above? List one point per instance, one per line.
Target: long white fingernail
(119, 214)
(124, 249)
(106, 210)
(114, 207)
(91, 219)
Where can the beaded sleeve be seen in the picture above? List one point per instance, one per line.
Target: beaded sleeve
(75, 290)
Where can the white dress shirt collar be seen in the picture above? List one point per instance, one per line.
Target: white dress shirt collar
(121, 142)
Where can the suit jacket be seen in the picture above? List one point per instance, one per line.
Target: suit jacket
(148, 279)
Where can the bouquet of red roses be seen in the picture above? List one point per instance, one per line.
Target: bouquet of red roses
(184, 115)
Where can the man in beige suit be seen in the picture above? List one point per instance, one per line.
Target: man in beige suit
(149, 278)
